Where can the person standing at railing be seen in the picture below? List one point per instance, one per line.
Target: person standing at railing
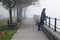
(42, 18)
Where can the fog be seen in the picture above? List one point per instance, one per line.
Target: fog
(52, 9)
(3, 12)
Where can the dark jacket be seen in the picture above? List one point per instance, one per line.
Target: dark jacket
(43, 17)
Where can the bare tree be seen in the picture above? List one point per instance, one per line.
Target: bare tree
(9, 4)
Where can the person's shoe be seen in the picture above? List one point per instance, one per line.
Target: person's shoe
(39, 30)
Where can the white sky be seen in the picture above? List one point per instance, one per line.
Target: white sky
(52, 9)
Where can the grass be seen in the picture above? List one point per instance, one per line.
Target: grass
(6, 34)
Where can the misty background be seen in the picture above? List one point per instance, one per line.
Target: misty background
(52, 9)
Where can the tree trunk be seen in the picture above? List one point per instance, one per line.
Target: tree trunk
(14, 15)
(10, 12)
(17, 14)
(24, 12)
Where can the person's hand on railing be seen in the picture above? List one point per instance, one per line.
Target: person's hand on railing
(47, 17)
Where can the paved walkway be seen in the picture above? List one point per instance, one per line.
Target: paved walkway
(29, 32)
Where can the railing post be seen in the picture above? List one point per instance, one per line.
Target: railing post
(49, 22)
(55, 24)
(46, 21)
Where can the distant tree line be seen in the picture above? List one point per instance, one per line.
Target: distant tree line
(9, 4)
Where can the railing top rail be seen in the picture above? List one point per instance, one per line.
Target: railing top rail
(53, 18)
(58, 19)
(50, 17)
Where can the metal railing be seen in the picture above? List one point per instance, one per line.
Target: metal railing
(55, 23)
